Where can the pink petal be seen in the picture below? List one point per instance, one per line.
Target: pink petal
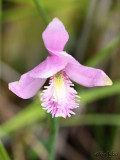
(87, 76)
(55, 35)
(83, 75)
(26, 87)
(64, 56)
(49, 67)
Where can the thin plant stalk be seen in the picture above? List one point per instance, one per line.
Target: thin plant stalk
(54, 123)
(53, 138)
(42, 12)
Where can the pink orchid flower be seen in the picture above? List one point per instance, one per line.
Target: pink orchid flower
(59, 97)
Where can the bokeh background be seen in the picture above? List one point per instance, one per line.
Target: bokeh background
(26, 131)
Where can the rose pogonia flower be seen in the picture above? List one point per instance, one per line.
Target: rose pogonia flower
(60, 96)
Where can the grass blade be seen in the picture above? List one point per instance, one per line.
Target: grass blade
(35, 110)
(92, 119)
(100, 92)
(26, 117)
(54, 124)
(3, 153)
(104, 53)
(42, 12)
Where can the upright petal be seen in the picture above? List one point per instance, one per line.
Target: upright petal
(55, 35)
(49, 67)
(64, 56)
(27, 86)
(87, 76)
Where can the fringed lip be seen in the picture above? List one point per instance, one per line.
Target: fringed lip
(60, 96)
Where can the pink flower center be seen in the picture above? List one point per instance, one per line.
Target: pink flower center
(60, 97)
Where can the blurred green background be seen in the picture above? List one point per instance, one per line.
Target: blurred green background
(26, 131)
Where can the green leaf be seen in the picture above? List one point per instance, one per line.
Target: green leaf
(99, 92)
(35, 112)
(3, 153)
(26, 117)
(104, 52)
(91, 119)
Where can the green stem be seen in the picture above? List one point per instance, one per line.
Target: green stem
(87, 119)
(53, 137)
(3, 153)
(54, 123)
(42, 12)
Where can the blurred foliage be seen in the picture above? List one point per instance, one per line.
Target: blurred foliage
(104, 53)
(22, 47)
(99, 93)
(29, 115)
(25, 117)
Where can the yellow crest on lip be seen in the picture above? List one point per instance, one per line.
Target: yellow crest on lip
(58, 79)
